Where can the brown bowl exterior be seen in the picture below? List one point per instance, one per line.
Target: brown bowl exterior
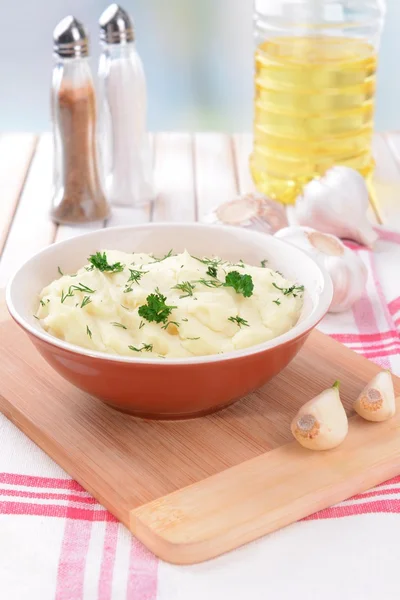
(177, 391)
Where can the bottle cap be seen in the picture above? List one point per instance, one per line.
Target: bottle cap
(70, 38)
(116, 26)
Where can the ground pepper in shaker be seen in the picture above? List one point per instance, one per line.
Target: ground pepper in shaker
(125, 147)
(78, 196)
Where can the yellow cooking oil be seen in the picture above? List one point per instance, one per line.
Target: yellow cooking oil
(314, 107)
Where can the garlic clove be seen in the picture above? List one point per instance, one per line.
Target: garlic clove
(336, 203)
(346, 269)
(321, 423)
(251, 211)
(377, 400)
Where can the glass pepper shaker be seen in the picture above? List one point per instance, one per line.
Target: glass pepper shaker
(78, 196)
(125, 147)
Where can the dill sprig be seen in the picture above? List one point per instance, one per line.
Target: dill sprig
(185, 287)
(88, 331)
(239, 321)
(144, 348)
(170, 323)
(86, 300)
(118, 325)
(290, 290)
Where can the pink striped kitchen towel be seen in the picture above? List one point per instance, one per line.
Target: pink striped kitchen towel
(58, 543)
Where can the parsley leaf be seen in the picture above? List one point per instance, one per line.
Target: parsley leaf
(155, 309)
(99, 261)
(239, 321)
(242, 284)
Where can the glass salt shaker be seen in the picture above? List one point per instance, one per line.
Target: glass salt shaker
(125, 145)
(78, 196)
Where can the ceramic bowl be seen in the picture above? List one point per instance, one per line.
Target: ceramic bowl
(170, 388)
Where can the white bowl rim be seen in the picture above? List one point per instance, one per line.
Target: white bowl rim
(318, 312)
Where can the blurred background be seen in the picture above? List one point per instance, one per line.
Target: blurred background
(197, 56)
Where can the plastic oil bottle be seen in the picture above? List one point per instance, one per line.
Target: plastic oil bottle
(315, 79)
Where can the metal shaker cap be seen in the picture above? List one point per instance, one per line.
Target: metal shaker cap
(116, 26)
(70, 38)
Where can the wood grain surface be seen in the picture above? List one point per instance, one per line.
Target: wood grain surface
(127, 463)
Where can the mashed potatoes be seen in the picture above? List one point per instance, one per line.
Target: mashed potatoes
(173, 306)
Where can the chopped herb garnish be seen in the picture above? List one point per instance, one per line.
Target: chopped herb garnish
(59, 270)
(239, 321)
(170, 323)
(48, 300)
(82, 288)
(125, 307)
(279, 273)
(289, 290)
(88, 331)
(156, 260)
(212, 271)
(136, 275)
(35, 317)
(194, 338)
(212, 262)
(156, 309)
(210, 282)
(185, 287)
(242, 284)
(185, 319)
(128, 289)
(142, 324)
(118, 324)
(89, 268)
(264, 263)
(86, 300)
(145, 347)
(42, 303)
(69, 294)
(277, 302)
(100, 262)
(240, 264)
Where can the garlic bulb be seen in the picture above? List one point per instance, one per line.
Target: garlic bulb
(337, 203)
(321, 423)
(377, 401)
(347, 271)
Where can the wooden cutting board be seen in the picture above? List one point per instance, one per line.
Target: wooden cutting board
(191, 490)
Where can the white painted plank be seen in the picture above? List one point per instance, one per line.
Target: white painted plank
(243, 147)
(32, 228)
(386, 183)
(16, 152)
(174, 178)
(215, 174)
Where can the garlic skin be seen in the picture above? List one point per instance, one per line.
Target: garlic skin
(336, 203)
(377, 400)
(321, 423)
(347, 271)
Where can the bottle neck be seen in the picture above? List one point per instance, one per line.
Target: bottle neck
(122, 50)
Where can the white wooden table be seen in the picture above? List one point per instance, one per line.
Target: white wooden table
(47, 554)
(193, 173)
